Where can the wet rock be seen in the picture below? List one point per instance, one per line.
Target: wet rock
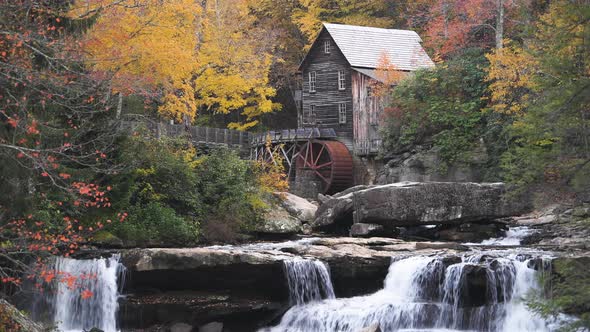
(414, 204)
(441, 245)
(373, 328)
(473, 293)
(420, 233)
(367, 230)
(471, 232)
(212, 327)
(180, 327)
(206, 310)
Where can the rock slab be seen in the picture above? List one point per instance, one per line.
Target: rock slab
(414, 204)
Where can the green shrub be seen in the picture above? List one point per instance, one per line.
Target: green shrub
(168, 177)
(153, 224)
(231, 196)
(443, 106)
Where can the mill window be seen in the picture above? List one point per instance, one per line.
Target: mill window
(312, 80)
(326, 46)
(341, 80)
(342, 113)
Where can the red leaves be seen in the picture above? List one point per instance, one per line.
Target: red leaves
(12, 122)
(48, 276)
(86, 294)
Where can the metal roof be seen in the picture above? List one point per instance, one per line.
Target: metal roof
(364, 46)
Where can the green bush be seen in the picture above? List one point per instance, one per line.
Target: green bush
(168, 177)
(231, 196)
(153, 224)
(443, 106)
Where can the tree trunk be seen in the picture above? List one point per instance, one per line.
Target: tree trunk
(120, 105)
(500, 25)
(445, 10)
(201, 32)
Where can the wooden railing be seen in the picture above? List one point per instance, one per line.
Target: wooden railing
(197, 134)
(367, 147)
(291, 135)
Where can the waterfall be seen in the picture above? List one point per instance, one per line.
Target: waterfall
(476, 293)
(99, 276)
(309, 280)
(513, 237)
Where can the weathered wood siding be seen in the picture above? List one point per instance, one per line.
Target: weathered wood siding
(327, 95)
(367, 111)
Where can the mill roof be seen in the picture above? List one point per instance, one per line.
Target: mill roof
(363, 46)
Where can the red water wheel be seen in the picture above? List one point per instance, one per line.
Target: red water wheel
(329, 161)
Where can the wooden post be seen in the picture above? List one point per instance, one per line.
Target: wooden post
(225, 138)
(206, 134)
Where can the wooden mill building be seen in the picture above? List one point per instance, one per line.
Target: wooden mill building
(338, 73)
(339, 115)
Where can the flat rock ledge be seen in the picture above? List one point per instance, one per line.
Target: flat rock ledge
(353, 263)
(416, 204)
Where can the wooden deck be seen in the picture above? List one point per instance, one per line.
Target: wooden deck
(292, 135)
(203, 136)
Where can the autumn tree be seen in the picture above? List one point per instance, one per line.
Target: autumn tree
(192, 57)
(449, 25)
(148, 47)
(387, 75)
(54, 136)
(376, 13)
(543, 85)
(235, 58)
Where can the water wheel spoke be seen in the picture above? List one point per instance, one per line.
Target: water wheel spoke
(329, 163)
(319, 155)
(322, 177)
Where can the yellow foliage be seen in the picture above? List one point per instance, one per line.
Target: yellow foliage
(192, 58)
(144, 43)
(511, 72)
(271, 174)
(235, 60)
(387, 75)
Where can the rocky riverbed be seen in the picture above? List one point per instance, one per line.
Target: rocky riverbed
(452, 254)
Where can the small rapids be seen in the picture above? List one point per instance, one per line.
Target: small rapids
(99, 276)
(479, 292)
(309, 280)
(513, 237)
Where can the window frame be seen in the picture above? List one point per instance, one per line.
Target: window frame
(327, 46)
(342, 113)
(309, 116)
(341, 80)
(312, 82)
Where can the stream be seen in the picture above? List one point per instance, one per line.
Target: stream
(480, 290)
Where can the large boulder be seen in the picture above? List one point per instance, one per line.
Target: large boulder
(413, 204)
(279, 222)
(298, 207)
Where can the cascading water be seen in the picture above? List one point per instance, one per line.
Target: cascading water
(434, 294)
(309, 280)
(99, 276)
(513, 237)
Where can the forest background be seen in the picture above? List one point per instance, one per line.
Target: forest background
(511, 76)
